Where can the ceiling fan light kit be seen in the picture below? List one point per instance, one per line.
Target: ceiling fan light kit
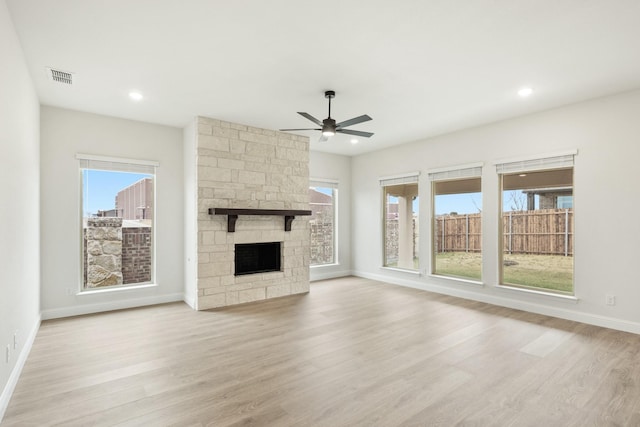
(329, 127)
(328, 131)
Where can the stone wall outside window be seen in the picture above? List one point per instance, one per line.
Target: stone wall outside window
(116, 255)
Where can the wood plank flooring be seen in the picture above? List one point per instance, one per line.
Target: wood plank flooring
(353, 352)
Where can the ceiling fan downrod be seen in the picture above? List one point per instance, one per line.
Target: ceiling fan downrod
(330, 94)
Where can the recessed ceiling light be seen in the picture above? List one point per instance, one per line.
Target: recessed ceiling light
(523, 174)
(525, 91)
(354, 141)
(136, 96)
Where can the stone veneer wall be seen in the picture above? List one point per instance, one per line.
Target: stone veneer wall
(391, 242)
(245, 167)
(321, 232)
(104, 252)
(135, 258)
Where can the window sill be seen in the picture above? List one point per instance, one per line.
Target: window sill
(334, 264)
(402, 270)
(551, 295)
(458, 279)
(117, 289)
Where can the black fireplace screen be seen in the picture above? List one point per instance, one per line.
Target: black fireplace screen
(257, 258)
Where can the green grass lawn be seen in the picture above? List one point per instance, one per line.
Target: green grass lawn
(552, 272)
(459, 264)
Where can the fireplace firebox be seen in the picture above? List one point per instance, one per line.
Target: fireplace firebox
(251, 258)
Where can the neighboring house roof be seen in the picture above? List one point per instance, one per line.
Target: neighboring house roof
(316, 196)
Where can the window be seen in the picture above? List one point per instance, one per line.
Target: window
(401, 229)
(537, 224)
(118, 211)
(565, 202)
(457, 222)
(323, 197)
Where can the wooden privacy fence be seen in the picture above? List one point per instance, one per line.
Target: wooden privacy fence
(544, 232)
(458, 233)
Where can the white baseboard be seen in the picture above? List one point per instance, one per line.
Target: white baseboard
(324, 275)
(517, 304)
(5, 397)
(190, 300)
(78, 310)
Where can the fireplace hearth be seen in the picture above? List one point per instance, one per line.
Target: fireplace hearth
(251, 258)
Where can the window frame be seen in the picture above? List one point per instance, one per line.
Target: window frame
(449, 174)
(335, 186)
(541, 163)
(388, 181)
(125, 165)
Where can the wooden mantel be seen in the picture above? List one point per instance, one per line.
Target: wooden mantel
(232, 215)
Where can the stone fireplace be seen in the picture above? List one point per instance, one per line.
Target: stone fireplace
(242, 167)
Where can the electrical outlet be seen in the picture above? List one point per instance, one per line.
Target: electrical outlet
(611, 300)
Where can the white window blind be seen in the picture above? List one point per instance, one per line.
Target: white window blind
(88, 161)
(474, 171)
(324, 183)
(410, 178)
(542, 163)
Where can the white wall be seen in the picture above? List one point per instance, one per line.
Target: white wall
(338, 168)
(64, 133)
(606, 133)
(19, 209)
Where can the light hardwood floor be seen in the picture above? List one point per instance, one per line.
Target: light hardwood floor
(353, 352)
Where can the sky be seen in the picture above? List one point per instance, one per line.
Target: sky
(324, 190)
(468, 203)
(471, 203)
(460, 203)
(99, 188)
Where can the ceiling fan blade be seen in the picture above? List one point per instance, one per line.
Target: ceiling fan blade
(286, 130)
(323, 138)
(310, 117)
(354, 121)
(355, 132)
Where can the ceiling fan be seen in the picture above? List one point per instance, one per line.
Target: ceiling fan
(329, 127)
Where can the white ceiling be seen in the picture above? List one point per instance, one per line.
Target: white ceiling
(418, 67)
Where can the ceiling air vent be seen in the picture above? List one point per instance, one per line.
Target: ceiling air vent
(60, 76)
